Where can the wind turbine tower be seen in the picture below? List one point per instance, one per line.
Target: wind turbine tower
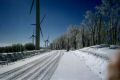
(37, 42)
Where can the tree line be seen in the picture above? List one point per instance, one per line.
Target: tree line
(17, 48)
(101, 26)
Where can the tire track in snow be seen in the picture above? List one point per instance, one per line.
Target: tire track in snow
(52, 69)
(18, 68)
(31, 64)
(26, 77)
(44, 71)
(27, 70)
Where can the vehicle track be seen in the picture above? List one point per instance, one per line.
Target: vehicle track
(27, 70)
(18, 68)
(26, 77)
(41, 74)
(51, 70)
(20, 71)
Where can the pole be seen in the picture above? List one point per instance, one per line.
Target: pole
(37, 47)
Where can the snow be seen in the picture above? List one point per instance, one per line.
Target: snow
(72, 67)
(96, 64)
(105, 51)
(22, 62)
(39, 67)
(96, 58)
(89, 63)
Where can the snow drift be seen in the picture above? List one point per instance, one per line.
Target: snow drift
(97, 57)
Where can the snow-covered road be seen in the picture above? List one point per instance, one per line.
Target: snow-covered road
(54, 65)
(72, 67)
(39, 69)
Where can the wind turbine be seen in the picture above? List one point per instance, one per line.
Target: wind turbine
(33, 37)
(37, 43)
(46, 42)
(40, 27)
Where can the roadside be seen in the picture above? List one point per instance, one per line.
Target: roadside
(72, 67)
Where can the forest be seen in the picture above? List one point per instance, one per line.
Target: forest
(101, 26)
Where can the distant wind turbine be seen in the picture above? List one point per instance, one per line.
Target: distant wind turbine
(46, 42)
(33, 37)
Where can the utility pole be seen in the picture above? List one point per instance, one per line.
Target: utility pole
(37, 47)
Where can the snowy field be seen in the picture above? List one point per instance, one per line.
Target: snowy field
(89, 63)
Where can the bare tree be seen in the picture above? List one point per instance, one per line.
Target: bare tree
(91, 23)
(110, 9)
(73, 31)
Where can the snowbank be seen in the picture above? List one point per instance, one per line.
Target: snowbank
(96, 58)
(101, 51)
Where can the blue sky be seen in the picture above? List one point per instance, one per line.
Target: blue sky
(15, 19)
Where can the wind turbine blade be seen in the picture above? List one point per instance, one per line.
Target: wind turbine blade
(41, 32)
(33, 24)
(31, 6)
(40, 24)
(42, 19)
